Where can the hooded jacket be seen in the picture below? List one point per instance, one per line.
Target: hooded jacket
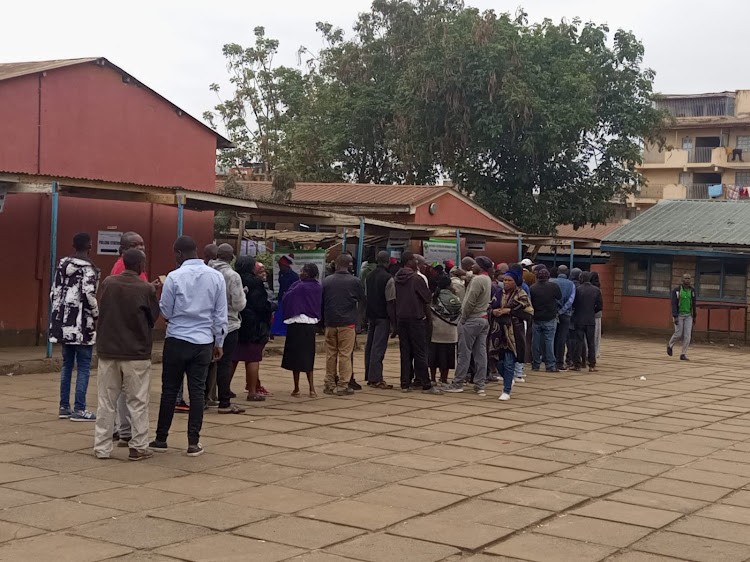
(236, 299)
(256, 316)
(412, 294)
(676, 301)
(74, 307)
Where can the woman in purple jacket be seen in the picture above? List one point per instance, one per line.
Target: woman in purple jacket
(302, 309)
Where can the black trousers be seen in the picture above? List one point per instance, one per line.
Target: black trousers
(561, 338)
(224, 369)
(183, 358)
(378, 330)
(585, 333)
(412, 336)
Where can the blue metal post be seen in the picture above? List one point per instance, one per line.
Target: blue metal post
(343, 241)
(520, 249)
(361, 245)
(179, 215)
(458, 247)
(52, 258)
(572, 248)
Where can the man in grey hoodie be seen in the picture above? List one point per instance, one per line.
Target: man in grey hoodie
(473, 328)
(236, 302)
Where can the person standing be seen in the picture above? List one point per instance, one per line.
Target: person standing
(545, 296)
(287, 277)
(527, 326)
(683, 315)
(342, 293)
(565, 311)
(412, 301)
(575, 278)
(446, 309)
(128, 310)
(194, 303)
(73, 324)
(597, 317)
(587, 303)
(379, 315)
(236, 302)
(302, 308)
(473, 328)
(528, 275)
(209, 255)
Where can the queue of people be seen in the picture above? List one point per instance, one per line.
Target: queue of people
(480, 320)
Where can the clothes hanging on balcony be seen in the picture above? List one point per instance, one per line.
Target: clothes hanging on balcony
(733, 192)
(715, 190)
(744, 192)
(735, 153)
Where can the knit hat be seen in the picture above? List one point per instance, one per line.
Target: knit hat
(542, 274)
(449, 264)
(287, 259)
(485, 263)
(516, 275)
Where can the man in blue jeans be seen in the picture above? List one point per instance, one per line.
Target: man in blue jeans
(546, 297)
(73, 324)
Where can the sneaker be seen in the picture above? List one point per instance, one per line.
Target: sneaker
(262, 390)
(348, 391)
(156, 445)
(553, 370)
(83, 416)
(593, 370)
(329, 391)
(669, 350)
(136, 455)
(382, 385)
(480, 392)
(354, 385)
(231, 409)
(195, 450)
(504, 396)
(452, 388)
(562, 367)
(212, 404)
(65, 413)
(493, 378)
(182, 407)
(101, 456)
(407, 389)
(433, 390)
(124, 442)
(684, 358)
(518, 379)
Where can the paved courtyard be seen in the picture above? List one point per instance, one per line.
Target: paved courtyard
(576, 467)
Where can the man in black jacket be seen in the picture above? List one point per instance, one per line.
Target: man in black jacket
(683, 314)
(545, 296)
(379, 312)
(587, 303)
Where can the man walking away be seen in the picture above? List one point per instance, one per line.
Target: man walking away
(545, 296)
(194, 303)
(587, 303)
(128, 311)
(565, 304)
(379, 314)
(342, 292)
(683, 314)
(412, 300)
(72, 324)
(236, 302)
(473, 328)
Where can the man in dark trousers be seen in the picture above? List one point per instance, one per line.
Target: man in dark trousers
(587, 303)
(683, 314)
(545, 296)
(378, 313)
(412, 299)
(564, 314)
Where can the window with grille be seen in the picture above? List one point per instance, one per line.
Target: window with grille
(721, 279)
(742, 178)
(744, 143)
(648, 275)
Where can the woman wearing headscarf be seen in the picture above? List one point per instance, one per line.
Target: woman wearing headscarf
(302, 310)
(446, 308)
(515, 308)
(598, 316)
(255, 328)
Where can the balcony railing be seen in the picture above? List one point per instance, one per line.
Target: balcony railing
(697, 191)
(651, 191)
(700, 155)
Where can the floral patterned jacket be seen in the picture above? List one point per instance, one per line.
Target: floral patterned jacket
(74, 306)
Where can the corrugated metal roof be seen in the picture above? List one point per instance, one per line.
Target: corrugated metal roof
(678, 221)
(347, 193)
(597, 232)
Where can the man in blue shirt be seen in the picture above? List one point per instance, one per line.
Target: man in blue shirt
(194, 303)
(565, 310)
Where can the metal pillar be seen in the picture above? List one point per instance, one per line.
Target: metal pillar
(361, 245)
(180, 212)
(572, 249)
(458, 247)
(343, 241)
(555, 262)
(52, 258)
(520, 249)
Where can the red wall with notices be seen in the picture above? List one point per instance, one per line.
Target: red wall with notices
(84, 121)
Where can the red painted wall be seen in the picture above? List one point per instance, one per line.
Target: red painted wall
(19, 125)
(652, 312)
(454, 212)
(607, 281)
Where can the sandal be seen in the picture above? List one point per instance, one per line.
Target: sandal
(255, 398)
(313, 394)
(295, 393)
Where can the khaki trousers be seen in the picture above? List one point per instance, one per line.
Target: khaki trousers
(133, 378)
(339, 349)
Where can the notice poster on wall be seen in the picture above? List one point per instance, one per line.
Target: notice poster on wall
(301, 257)
(108, 243)
(439, 250)
(475, 244)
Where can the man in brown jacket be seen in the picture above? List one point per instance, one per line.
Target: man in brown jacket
(128, 310)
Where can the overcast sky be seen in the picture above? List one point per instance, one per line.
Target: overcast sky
(175, 46)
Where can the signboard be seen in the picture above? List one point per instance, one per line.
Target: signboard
(108, 243)
(439, 250)
(3, 195)
(301, 257)
(252, 248)
(475, 244)
(399, 239)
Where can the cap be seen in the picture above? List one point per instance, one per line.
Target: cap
(527, 262)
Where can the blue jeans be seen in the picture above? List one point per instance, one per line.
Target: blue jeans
(507, 367)
(544, 340)
(80, 354)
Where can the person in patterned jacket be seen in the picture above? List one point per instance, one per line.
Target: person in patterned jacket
(73, 324)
